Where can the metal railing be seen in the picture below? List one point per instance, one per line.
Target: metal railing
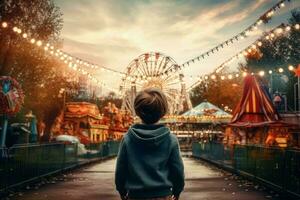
(28, 162)
(275, 167)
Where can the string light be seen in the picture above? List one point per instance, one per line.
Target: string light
(248, 50)
(288, 28)
(291, 67)
(64, 57)
(240, 35)
(261, 73)
(15, 29)
(237, 75)
(39, 43)
(280, 70)
(4, 24)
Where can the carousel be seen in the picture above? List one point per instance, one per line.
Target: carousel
(203, 122)
(255, 120)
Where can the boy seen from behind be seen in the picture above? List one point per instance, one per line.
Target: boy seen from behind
(149, 165)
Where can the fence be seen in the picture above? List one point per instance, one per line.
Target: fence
(278, 168)
(25, 163)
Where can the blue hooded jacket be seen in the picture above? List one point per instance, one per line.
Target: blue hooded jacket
(149, 164)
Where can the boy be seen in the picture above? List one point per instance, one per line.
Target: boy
(149, 165)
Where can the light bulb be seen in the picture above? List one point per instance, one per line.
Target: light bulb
(39, 43)
(261, 73)
(4, 24)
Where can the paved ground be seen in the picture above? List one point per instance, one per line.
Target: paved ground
(96, 183)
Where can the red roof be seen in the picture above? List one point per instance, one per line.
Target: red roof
(255, 107)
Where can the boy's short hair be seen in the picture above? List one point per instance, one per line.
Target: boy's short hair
(150, 105)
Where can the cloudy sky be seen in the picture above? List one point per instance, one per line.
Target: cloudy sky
(114, 32)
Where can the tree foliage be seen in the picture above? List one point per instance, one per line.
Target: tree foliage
(40, 76)
(220, 92)
(279, 52)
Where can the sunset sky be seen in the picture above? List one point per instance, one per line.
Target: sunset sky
(112, 33)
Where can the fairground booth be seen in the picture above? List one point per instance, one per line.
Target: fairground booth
(256, 121)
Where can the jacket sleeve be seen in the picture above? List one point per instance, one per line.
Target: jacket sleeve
(121, 169)
(177, 170)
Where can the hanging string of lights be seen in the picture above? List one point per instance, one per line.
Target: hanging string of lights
(60, 53)
(277, 32)
(263, 19)
(71, 61)
(231, 76)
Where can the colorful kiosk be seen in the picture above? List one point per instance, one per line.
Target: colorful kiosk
(84, 120)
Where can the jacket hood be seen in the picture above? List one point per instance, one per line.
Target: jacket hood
(152, 134)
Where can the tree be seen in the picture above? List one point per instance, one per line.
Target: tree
(276, 53)
(40, 75)
(220, 92)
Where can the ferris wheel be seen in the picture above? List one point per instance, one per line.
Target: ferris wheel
(154, 69)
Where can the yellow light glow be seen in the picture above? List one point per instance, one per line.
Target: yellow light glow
(32, 40)
(39, 43)
(229, 76)
(15, 29)
(213, 76)
(19, 31)
(259, 22)
(279, 30)
(237, 75)
(24, 35)
(297, 26)
(222, 77)
(261, 73)
(4, 24)
(288, 28)
(280, 70)
(245, 74)
(291, 67)
(282, 5)
(259, 43)
(270, 72)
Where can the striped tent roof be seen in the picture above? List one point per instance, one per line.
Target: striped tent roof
(255, 107)
(205, 109)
